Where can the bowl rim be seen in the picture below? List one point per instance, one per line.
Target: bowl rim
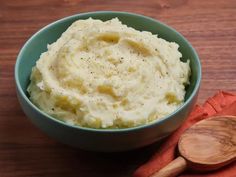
(108, 130)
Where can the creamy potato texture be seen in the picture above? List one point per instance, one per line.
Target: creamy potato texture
(107, 75)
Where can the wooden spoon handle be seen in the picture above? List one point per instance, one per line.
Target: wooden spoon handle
(172, 169)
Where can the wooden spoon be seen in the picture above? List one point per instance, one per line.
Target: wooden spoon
(207, 145)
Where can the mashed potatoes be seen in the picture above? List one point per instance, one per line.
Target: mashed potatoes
(105, 74)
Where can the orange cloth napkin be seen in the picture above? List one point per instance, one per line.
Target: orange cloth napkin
(223, 103)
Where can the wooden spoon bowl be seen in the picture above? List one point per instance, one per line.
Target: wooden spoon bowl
(207, 145)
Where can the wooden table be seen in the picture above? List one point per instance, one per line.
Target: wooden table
(25, 151)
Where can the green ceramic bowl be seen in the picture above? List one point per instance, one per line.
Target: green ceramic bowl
(104, 139)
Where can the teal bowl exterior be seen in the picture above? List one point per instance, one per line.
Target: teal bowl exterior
(106, 140)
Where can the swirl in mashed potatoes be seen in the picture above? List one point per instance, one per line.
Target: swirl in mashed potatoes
(107, 75)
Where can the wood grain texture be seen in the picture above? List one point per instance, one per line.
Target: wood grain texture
(25, 151)
(207, 145)
(210, 143)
